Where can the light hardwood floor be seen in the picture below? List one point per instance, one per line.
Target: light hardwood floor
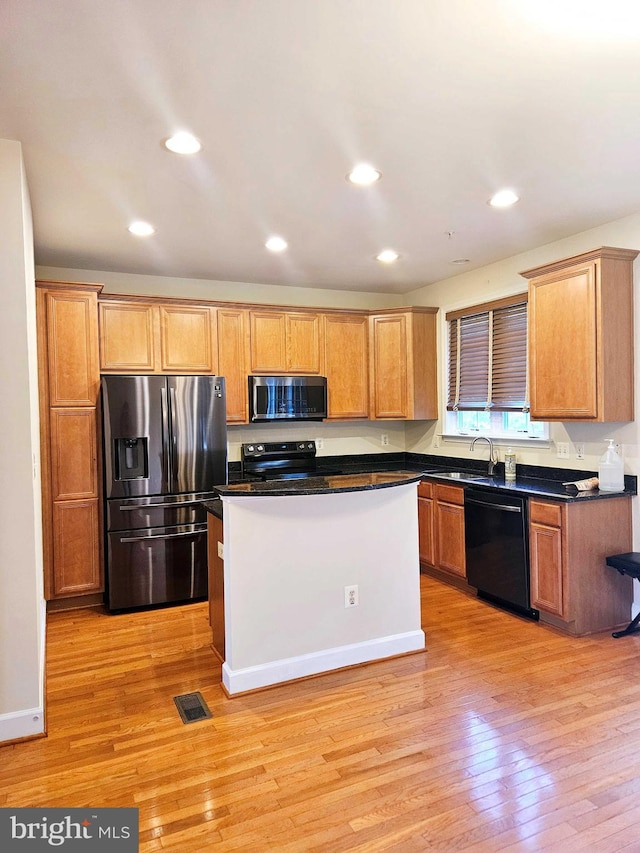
(503, 735)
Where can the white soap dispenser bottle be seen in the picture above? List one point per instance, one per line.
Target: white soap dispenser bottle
(611, 470)
(509, 465)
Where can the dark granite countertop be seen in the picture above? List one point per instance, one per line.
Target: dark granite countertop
(527, 486)
(354, 482)
(531, 480)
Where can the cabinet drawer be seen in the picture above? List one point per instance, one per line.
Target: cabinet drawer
(544, 513)
(448, 494)
(425, 489)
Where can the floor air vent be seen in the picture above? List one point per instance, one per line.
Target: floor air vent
(192, 707)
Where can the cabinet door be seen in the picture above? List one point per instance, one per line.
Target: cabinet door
(302, 337)
(74, 460)
(390, 377)
(545, 550)
(76, 548)
(450, 538)
(72, 348)
(426, 539)
(346, 359)
(233, 358)
(268, 350)
(187, 339)
(127, 337)
(563, 345)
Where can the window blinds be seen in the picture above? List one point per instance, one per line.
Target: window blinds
(488, 356)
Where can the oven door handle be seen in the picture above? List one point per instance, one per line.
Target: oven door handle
(489, 505)
(162, 536)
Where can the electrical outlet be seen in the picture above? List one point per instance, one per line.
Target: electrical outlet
(351, 596)
(221, 550)
(319, 444)
(562, 449)
(384, 439)
(579, 451)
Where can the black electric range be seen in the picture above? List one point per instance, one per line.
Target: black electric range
(281, 460)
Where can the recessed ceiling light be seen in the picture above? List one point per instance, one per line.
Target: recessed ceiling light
(459, 261)
(142, 229)
(183, 143)
(504, 198)
(276, 244)
(364, 175)
(388, 256)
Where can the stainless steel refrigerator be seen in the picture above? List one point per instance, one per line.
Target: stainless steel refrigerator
(165, 448)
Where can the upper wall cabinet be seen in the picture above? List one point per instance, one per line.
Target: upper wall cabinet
(233, 360)
(285, 342)
(346, 360)
(403, 371)
(581, 337)
(150, 337)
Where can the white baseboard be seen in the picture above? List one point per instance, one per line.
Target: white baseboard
(276, 672)
(21, 724)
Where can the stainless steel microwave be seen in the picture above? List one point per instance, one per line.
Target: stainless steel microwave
(292, 398)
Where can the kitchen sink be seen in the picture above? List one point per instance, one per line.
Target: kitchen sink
(458, 475)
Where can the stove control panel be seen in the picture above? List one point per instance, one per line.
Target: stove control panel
(279, 450)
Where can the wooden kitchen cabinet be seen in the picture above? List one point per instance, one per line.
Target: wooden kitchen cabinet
(285, 342)
(426, 533)
(127, 337)
(581, 351)
(403, 364)
(188, 339)
(441, 528)
(67, 323)
(155, 337)
(216, 584)
(571, 585)
(346, 359)
(547, 568)
(233, 360)
(449, 525)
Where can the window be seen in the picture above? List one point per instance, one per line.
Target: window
(488, 389)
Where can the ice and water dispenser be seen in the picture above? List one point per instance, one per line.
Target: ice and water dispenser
(131, 458)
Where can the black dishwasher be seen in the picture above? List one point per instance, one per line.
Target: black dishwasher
(497, 548)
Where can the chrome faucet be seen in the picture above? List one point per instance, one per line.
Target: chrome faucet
(492, 459)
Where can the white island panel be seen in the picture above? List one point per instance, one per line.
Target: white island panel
(287, 561)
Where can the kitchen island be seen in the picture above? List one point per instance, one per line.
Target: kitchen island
(314, 575)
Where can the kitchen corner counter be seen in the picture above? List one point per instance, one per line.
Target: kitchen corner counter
(529, 486)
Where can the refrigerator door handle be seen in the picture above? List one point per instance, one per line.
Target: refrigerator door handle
(161, 536)
(173, 505)
(166, 451)
(174, 449)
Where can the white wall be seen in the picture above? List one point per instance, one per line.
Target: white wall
(232, 291)
(22, 610)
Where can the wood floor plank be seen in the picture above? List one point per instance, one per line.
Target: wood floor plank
(505, 735)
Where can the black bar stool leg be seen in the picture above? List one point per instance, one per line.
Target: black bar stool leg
(631, 628)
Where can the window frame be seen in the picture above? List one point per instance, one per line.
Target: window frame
(492, 380)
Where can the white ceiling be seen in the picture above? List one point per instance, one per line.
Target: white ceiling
(451, 99)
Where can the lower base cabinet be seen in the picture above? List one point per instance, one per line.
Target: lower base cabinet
(441, 528)
(216, 584)
(571, 585)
